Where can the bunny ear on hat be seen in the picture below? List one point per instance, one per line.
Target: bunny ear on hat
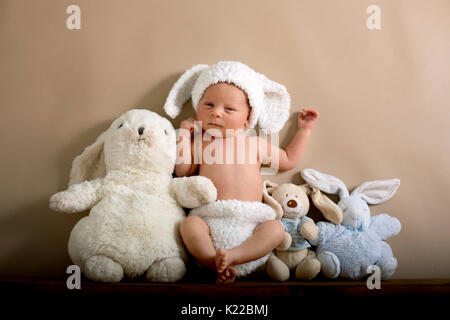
(182, 90)
(269, 100)
(275, 108)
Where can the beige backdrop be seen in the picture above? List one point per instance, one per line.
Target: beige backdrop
(383, 96)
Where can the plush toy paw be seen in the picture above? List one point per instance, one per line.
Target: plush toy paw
(286, 243)
(331, 267)
(309, 230)
(307, 269)
(166, 270)
(193, 192)
(203, 189)
(387, 267)
(64, 201)
(277, 269)
(103, 269)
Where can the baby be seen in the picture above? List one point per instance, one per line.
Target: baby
(224, 113)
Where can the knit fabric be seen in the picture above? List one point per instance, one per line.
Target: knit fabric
(269, 101)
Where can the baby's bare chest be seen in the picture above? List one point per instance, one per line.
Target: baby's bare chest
(236, 153)
(234, 170)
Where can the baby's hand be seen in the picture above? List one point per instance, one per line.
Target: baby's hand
(191, 125)
(307, 118)
(188, 127)
(188, 124)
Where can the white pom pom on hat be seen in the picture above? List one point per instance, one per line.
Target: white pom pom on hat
(270, 101)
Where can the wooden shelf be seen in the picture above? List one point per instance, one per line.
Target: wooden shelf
(245, 288)
(281, 299)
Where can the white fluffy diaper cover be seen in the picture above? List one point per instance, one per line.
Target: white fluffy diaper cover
(231, 222)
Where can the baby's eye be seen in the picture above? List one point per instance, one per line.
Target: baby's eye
(229, 109)
(210, 105)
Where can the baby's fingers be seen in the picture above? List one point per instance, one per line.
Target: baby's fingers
(302, 114)
(309, 113)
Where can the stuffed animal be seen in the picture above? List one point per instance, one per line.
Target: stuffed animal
(294, 253)
(125, 178)
(348, 249)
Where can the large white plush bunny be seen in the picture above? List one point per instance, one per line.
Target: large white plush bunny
(349, 248)
(126, 178)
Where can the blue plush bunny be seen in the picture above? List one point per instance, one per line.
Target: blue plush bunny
(347, 249)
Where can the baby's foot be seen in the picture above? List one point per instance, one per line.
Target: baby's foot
(228, 276)
(223, 259)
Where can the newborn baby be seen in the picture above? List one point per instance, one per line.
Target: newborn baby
(224, 114)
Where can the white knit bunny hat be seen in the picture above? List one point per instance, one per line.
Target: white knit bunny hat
(270, 101)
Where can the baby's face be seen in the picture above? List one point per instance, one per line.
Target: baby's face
(223, 106)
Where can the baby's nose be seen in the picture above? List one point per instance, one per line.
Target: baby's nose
(216, 112)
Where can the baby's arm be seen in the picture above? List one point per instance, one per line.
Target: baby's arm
(185, 146)
(291, 155)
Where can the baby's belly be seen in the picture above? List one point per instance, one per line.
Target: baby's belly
(235, 182)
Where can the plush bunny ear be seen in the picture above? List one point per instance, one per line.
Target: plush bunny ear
(325, 182)
(330, 210)
(268, 188)
(379, 191)
(90, 164)
(182, 90)
(276, 105)
(306, 188)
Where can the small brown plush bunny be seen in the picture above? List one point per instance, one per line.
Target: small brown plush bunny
(291, 205)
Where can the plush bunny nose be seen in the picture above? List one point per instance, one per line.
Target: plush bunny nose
(141, 131)
(292, 206)
(291, 203)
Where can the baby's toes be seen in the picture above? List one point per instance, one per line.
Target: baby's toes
(221, 260)
(221, 279)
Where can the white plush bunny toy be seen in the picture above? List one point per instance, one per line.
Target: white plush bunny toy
(125, 178)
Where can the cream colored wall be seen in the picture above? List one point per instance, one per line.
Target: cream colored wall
(382, 94)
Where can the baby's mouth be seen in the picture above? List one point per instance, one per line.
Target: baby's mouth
(215, 125)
